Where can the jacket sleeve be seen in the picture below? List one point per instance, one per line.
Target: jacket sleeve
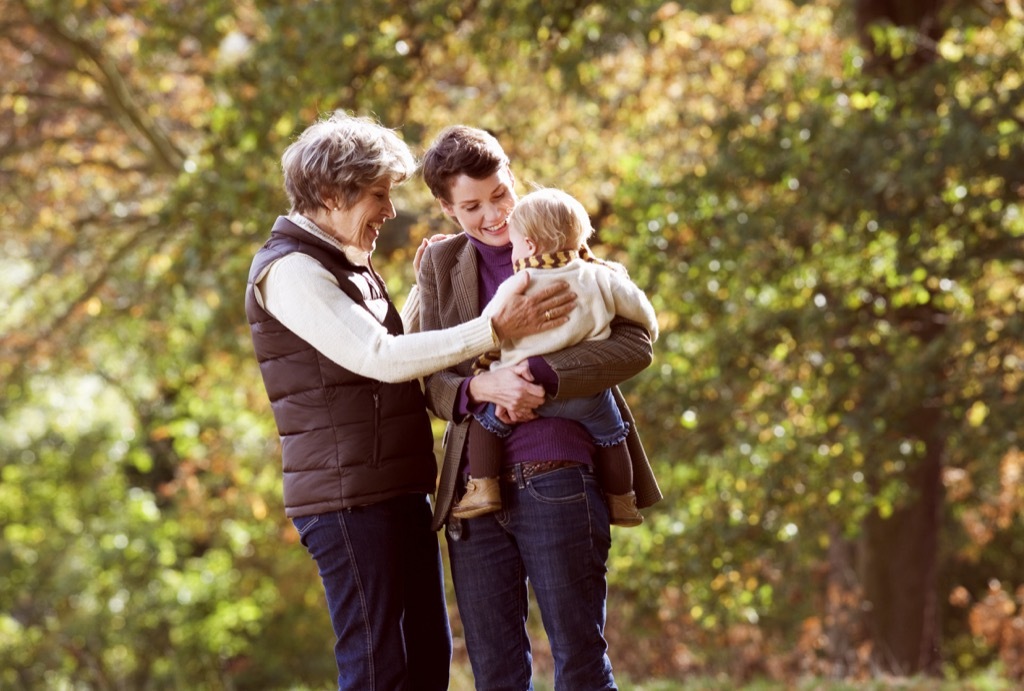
(590, 367)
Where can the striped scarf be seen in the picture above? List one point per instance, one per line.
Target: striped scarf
(552, 260)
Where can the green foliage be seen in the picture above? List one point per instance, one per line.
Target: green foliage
(834, 251)
(829, 260)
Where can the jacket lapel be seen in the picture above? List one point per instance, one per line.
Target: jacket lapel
(466, 285)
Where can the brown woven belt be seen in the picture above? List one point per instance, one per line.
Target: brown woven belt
(533, 469)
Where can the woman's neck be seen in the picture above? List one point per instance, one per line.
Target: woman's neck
(315, 224)
(492, 253)
(494, 265)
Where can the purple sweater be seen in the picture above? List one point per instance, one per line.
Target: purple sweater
(542, 439)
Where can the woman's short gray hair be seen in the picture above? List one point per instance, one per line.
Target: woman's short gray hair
(340, 156)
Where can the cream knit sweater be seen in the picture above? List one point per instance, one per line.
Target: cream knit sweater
(602, 291)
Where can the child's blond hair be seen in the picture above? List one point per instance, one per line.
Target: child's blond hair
(553, 219)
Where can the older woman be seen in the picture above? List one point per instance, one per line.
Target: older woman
(342, 380)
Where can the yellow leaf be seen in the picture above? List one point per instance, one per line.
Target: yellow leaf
(977, 414)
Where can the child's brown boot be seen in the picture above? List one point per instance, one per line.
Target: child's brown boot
(482, 496)
(623, 511)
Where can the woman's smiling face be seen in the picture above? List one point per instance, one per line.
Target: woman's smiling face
(359, 225)
(481, 207)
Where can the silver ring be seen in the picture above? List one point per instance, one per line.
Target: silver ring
(547, 315)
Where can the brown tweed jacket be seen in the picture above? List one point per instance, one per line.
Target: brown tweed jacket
(449, 296)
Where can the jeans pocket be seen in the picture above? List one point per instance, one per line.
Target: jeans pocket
(304, 524)
(563, 486)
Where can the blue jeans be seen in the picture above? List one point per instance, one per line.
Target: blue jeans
(598, 414)
(552, 531)
(381, 570)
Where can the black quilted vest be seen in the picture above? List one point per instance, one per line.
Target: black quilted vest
(346, 440)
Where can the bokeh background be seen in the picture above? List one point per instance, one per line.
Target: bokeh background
(823, 200)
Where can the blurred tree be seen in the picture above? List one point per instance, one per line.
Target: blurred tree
(834, 252)
(827, 244)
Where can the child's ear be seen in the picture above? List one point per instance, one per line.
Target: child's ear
(531, 245)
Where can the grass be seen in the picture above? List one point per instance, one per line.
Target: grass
(462, 681)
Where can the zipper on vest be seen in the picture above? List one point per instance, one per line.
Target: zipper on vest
(376, 428)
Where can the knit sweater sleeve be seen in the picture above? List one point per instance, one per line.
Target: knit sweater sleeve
(301, 294)
(603, 294)
(632, 303)
(411, 311)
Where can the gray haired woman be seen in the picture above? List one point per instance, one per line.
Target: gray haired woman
(342, 378)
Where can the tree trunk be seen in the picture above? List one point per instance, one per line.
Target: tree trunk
(899, 564)
(844, 624)
(922, 15)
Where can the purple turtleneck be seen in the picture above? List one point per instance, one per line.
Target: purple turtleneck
(542, 439)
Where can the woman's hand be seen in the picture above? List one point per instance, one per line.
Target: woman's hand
(423, 248)
(523, 315)
(509, 388)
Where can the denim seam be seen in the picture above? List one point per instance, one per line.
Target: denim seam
(523, 652)
(362, 601)
(591, 529)
(313, 521)
(590, 520)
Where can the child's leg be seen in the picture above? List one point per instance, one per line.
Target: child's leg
(615, 473)
(486, 451)
(483, 495)
(614, 468)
